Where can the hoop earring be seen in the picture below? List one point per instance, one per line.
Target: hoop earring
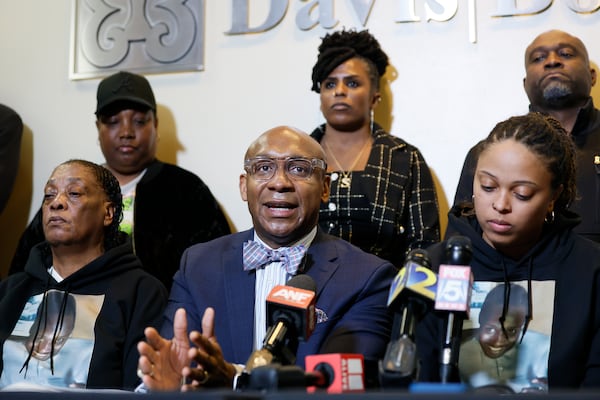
(549, 217)
(372, 118)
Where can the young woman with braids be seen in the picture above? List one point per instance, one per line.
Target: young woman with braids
(382, 195)
(74, 316)
(522, 234)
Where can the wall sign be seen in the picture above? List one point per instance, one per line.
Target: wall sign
(168, 35)
(322, 12)
(141, 36)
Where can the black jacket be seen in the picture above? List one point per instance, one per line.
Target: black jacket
(569, 260)
(391, 206)
(132, 300)
(11, 130)
(173, 210)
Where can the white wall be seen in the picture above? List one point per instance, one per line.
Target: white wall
(447, 94)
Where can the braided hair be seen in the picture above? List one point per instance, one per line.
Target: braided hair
(110, 185)
(545, 137)
(338, 47)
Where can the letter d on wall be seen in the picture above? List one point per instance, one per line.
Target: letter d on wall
(240, 18)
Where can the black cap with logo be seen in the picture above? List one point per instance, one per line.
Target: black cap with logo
(124, 90)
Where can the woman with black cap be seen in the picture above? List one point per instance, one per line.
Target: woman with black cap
(382, 195)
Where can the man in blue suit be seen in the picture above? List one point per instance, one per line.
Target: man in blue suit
(283, 183)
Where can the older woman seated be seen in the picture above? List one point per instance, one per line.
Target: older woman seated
(74, 316)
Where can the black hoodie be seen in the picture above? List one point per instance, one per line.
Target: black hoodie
(127, 300)
(560, 256)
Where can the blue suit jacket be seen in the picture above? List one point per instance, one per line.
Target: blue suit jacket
(352, 290)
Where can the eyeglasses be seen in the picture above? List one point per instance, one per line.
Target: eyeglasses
(296, 168)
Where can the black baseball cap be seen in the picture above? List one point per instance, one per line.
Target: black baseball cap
(124, 88)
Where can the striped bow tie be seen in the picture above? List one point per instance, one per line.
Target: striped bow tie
(256, 256)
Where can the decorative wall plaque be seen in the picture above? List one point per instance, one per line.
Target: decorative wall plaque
(148, 36)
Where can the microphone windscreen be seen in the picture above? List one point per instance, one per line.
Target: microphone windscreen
(419, 256)
(303, 281)
(458, 250)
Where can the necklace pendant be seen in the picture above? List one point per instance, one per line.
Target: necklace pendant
(345, 182)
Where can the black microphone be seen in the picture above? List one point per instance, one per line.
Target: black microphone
(453, 298)
(412, 294)
(333, 373)
(274, 377)
(290, 317)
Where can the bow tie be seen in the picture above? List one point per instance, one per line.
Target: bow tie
(256, 256)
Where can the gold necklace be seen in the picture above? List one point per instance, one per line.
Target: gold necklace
(346, 178)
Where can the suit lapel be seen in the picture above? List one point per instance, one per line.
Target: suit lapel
(238, 292)
(321, 260)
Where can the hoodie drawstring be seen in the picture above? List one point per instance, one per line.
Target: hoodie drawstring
(529, 315)
(505, 305)
(58, 327)
(506, 299)
(43, 318)
(35, 335)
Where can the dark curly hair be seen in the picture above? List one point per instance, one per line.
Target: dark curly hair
(112, 189)
(338, 47)
(545, 137)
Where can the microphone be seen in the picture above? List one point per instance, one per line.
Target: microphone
(412, 293)
(290, 317)
(337, 373)
(455, 282)
(273, 377)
